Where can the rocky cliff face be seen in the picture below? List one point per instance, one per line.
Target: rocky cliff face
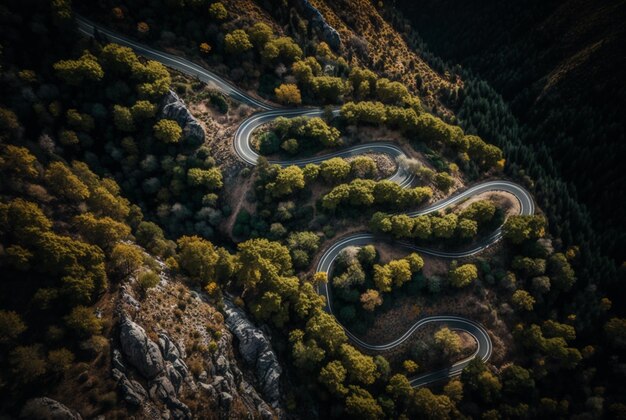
(256, 350)
(326, 32)
(174, 359)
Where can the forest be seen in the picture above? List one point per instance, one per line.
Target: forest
(385, 233)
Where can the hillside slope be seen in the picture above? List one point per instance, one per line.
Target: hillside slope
(559, 66)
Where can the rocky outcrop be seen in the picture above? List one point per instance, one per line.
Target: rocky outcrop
(139, 350)
(256, 350)
(327, 33)
(45, 408)
(174, 108)
(153, 376)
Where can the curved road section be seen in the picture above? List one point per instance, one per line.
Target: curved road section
(242, 144)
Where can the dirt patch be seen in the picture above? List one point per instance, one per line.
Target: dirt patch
(476, 303)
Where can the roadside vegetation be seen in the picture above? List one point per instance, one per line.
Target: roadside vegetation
(100, 185)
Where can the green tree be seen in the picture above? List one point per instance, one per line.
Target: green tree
(399, 387)
(615, 329)
(307, 355)
(329, 89)
(360, 367)
(217, 11)
(62, 182)
(147, 280)
(259, 34)
(333, 376)
(429, 406)
(325, 330)
(208, 178)
(143, 110)
(11, 326)
(18, 162)
(282, 49)
(391, 92)
(363, 81)
(463, 275)
(448, 342)
(517, 381)
(444, 181)
(260, 260)
(523, 300)
(317, 129)
(198, 258)
(287, 181)
(334, 170)
(104, 231)
(237, 42)
(123, 118)
(20, 217)
(561, 272)
(382, 278)
(27, 364)
(125, 259)
(60, 360)
(83, 322)
(77, 72)
(119, 59)
(521, 228)
(481, 211)
(454, 390)
(444, 227)
(288, 94)
(363, 167)
(467, 228)
(83, 122)
(360, 404)
(168, 131)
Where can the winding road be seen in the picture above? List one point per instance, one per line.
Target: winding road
(242, 144)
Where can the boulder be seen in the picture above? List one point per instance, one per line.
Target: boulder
(162, 389)
(45, 408)
(256, 350)
(174, 109)
(117, 362)
(139, 350)
(132, 391)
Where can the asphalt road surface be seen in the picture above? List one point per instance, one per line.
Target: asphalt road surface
(401, 176)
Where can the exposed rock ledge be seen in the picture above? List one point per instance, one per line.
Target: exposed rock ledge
(174, 108)
(256, 350)
(153, 376)
(45, 408)
(327, 32)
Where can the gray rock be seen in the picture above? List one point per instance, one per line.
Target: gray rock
(139, 350)
(162, 389)
(45, 408)
(117, 361)
(174, 109)
(132, 392)
(208, 389)
(169, 349)
(256, 350)
(174, 376)
(319, 24)
(128, 299)
(225, 400)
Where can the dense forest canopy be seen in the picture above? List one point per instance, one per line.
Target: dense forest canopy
(380, 249)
